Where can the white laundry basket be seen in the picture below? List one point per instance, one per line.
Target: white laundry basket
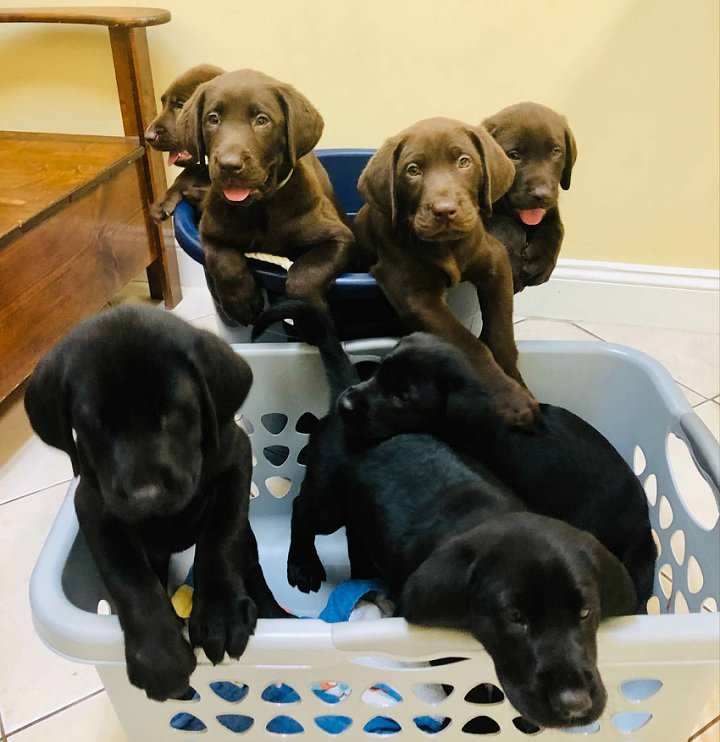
(660, 670)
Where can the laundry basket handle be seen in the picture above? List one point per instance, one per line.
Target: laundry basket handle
(704, 448)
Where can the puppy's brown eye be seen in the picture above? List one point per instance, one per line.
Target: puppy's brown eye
(213, 118)
(413, 170)
(464, 161)
(261, 120)
(178, 104)
(513, 154)
(584, 613)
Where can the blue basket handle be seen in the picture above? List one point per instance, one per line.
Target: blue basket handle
(704, 449)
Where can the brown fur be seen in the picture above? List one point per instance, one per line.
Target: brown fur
(543, 148)
(258, 134)
(425, 233)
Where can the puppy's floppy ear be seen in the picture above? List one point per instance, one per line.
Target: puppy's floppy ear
(377, 180)
(224, 380)
(570, 157)
(499, 168)
(437, 592)
(190, 124)
(303, 122)
(618, 596)
(48, 401)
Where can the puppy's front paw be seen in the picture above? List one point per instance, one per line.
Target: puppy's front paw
(242, 306)
(306, 572)
(160, 663)
(161, 210)
(517, 407)
(222, 623)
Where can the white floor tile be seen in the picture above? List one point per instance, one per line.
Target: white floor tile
(33, 680)
(207, 323)
(544, 329)
(196, 302)
(692, 358)
(693, 397)
(93, 720)
(26, 463)
(709, 413)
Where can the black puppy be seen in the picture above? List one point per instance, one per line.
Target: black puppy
(143, 404)
(458, 549)
(527, 219)
(564, 469)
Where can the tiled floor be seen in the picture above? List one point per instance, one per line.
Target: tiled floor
(43, 696)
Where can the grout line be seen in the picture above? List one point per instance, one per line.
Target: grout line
(56, 712)
(690, 389)
(3, 738)
(704, 729)
(35, 492)
(584, 329)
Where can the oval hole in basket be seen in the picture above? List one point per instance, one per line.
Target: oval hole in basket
(681, 605)
(640, 689)
(650, 488)
(593, 728)
(237, 723)
(525, 726)
(254, 491)
(709, 605)
(658, 543)
(278, 486)
(382, 726)
(639, 464)
(695, 576)
(188, 695)
(432, 724)
(665, 577)
(333, 724)
(485, 693)
(274, 422)
(306, 423)
(303, 456)
(229, 691)
(382, 695)
(103, 608)
(481, 725)
(408, 664)
(284, 725)
(331, 691)
(677, 545)
(666, 513)
(276, 455)
(433, 693)
(185, 722)
(630, 721)
(365, 369)
(653, 605)
(242, 422)
(280, 693)
(694, 492)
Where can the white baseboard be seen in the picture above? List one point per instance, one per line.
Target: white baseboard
(595, 291)
(626, 293)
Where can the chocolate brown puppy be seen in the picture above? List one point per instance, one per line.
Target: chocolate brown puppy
(192, 184)
(527, 219)
(425, 190)
(268, 191)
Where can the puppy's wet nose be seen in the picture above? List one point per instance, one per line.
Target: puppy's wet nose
(232, 163)
(146, 492)
(444, 208)
(541, 193)
(573, 703)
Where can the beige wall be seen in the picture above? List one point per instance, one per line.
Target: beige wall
(638, 80)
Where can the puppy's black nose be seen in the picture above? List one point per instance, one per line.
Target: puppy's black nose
(573, 703)
(146, 492)
(232, 162)
(541, 193)
(444, 208)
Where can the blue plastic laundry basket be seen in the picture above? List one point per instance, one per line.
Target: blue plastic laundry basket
(357, 303)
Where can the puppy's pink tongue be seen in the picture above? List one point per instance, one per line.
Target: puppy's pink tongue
(531, 217)
(173, 157)
(236, 194)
